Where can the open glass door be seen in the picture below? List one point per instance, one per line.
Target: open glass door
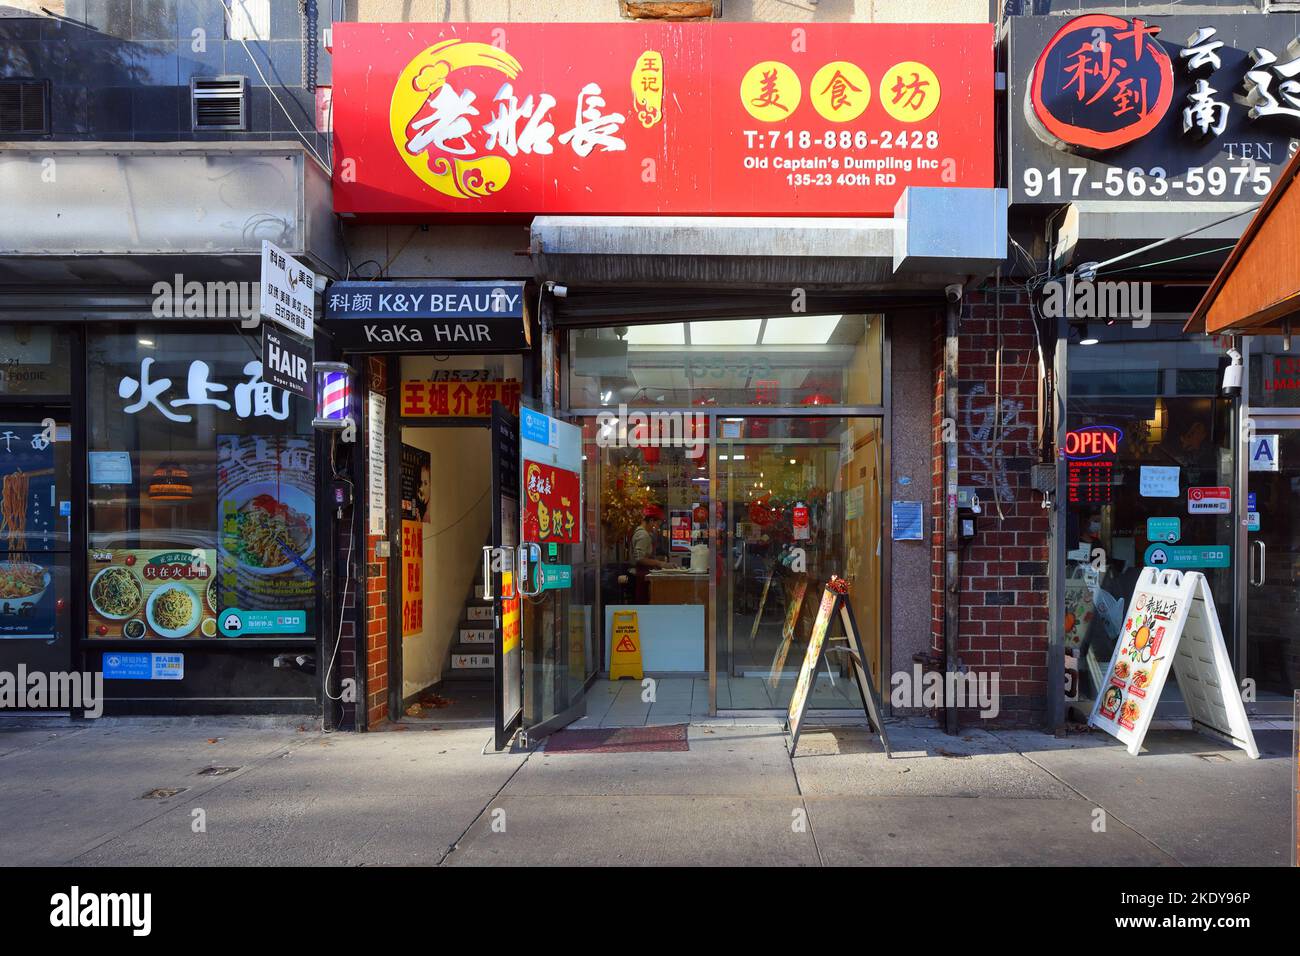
(550, 542)
(499, 576)
(1273, 589)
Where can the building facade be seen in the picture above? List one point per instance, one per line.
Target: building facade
(805, 308)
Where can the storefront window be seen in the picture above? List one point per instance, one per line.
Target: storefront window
(35, 539)
(1150, 468)
(1274, 373)
(202, 517)
(798, 501)
(800, 361)
(655, 555)
(34, 359)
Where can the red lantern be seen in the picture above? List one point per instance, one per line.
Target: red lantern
(817, 427)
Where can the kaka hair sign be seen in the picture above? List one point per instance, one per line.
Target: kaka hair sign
(482, 316)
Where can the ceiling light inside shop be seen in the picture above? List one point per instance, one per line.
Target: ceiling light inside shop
(670, 333)
(1089, 341)
(800, 329)
(726, 332)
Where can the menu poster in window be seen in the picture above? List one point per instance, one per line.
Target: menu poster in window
(552, 504)
(266, 519)
(28, 598)
(28, 513)
(679, 530)
(29, 508)
(417, 482)
(155, 592)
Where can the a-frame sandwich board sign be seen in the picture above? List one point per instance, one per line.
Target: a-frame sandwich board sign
(1171, 626)
(834, 598)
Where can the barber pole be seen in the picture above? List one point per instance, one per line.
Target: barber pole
(333, 395)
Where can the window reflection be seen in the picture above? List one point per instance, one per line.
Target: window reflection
(202, 519)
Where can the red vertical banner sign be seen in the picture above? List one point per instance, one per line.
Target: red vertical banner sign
(412, 578)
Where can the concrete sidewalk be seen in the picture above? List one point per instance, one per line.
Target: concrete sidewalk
(287, 795)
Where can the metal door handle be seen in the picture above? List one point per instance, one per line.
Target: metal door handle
(489, 552)
(487, 572)
(1263, 553)
(528, 552)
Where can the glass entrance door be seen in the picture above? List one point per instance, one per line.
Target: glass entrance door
(551, 531)
(1273, 583)
(801, 503)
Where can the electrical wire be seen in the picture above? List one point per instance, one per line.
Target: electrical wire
(467, 513)
(230, 19)
(1165, 262)
(347, 579)
(1098, 266)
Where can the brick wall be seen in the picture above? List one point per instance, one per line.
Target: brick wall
(376, 594)
(1003, 580)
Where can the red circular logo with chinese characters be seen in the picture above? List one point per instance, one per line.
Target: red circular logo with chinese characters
(1100, 82)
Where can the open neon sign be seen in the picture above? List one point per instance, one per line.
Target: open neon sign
(1090, 479)
(1093, 442)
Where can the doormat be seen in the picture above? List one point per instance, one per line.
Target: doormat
(619, 740)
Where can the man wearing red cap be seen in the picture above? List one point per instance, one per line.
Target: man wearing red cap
(645, 541)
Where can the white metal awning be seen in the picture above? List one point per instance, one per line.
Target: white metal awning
(916, 248)
(121, 212)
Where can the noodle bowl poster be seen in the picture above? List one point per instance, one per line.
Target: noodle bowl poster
(27, 522)
(27, 473)
(266, 517)
(152, 592)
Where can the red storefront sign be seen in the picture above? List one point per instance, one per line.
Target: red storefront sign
(657, 118)
(421, 399)
(552, 504)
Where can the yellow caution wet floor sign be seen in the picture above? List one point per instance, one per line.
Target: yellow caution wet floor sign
(625, 644)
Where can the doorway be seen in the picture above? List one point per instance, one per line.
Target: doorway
(800, 504)
(446, 665)
(442, 464)
(1272, 616)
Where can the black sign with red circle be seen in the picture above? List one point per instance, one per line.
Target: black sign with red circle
(1101, 82)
